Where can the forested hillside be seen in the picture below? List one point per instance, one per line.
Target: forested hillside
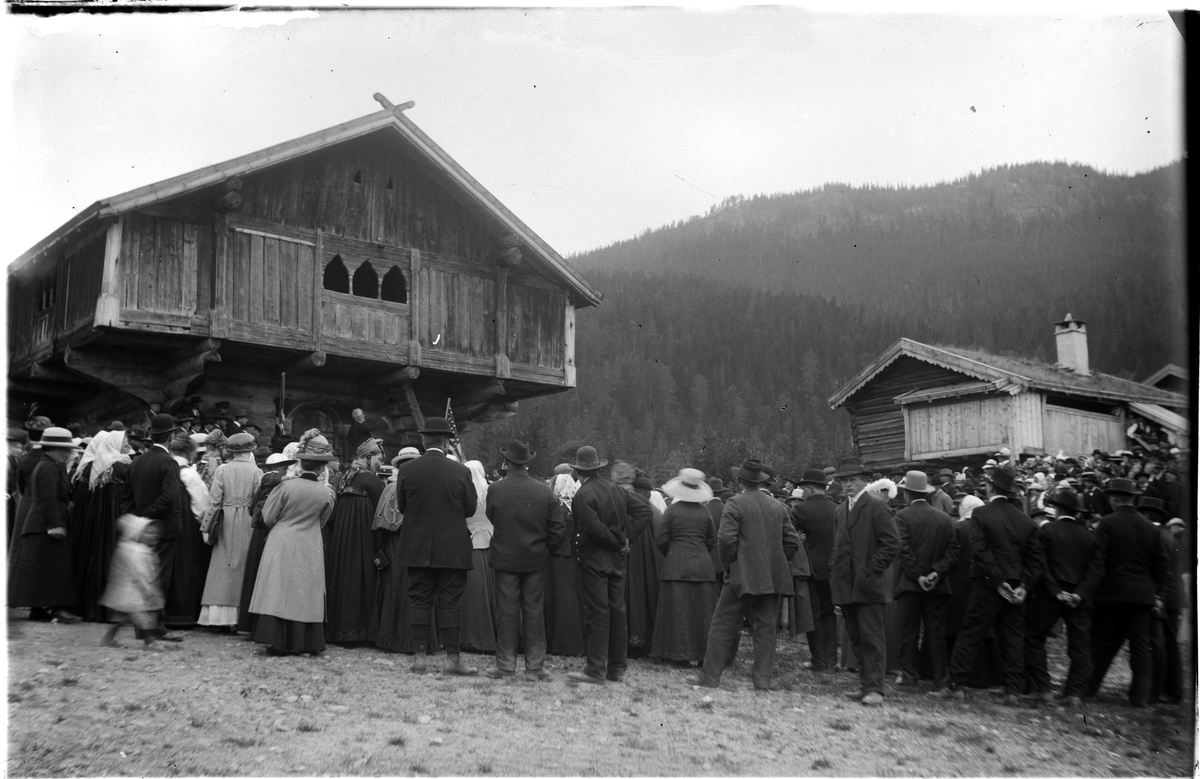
(725, 334)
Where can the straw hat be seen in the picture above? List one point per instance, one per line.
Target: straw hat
(58, 438)
(917, 481)
(404, 455)
(689, 487)
(240, 442)
(276, 458)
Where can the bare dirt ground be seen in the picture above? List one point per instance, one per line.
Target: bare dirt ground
(213, 706)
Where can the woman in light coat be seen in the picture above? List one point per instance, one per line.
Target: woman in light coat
(233, 488)
(289, 592)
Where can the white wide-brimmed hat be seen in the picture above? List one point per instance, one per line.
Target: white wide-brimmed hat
(689, 486)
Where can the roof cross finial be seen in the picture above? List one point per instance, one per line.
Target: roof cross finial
(395, 109)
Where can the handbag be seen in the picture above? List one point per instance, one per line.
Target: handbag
(381, 561)
(214, 526)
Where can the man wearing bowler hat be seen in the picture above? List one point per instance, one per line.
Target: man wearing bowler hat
(756, 539)
(864, 544)
(436, 495)
(1005, 565)
(814, 520)
(527, 523)
(1131, 581)
(928, 550)
(1068, 548)
(606, 516)
(154, 491)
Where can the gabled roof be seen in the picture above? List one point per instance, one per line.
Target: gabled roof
(545, 257)
(1170, 369)
(1008, 373)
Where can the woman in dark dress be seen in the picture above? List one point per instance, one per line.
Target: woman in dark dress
(352, 573)
(642, 564)
(685, 594)
(40, 570)
(276, 469)
(99, 479)
(564, 623)
(389, 620)
(190, 555)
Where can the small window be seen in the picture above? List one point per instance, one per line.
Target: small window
(358, 177)
(389, 185)
(337, 278)
(393, 287)
(366, 283)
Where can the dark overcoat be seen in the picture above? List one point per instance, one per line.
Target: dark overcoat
(527, 521)
(865, 543)
(927, 545)
(1067, 546)
(814, 517)
(1002, 548)
(154, 490)
(756, 539)
(605, 515)
(686, 537)
(1131, 561)
(435, 494)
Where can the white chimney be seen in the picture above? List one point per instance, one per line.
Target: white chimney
(1071, 337)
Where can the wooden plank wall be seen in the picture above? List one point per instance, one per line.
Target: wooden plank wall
(80, 283)
(159, 264)
(457, 312)
(876, 420)
(372, 323)
(395, 201)
(270, 281)
(535, 329)
(1027, 433)
(1080, 432)
(965, 424)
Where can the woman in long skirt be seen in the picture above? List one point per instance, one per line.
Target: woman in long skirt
(275, 472)
(351, 554)
(642, 564)
(685, 594)
(477, 614)
(289, 592)
(564, 623)
(190, 555)
(99, 480)
(233, 488)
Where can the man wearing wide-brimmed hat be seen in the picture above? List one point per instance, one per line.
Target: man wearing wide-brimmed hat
(1005, 564)
(1132, 582)
(756, 540)
(814, 520)
(864, 545)
(605, 516)
(1068, 548)
(154, 491)
(40, 574)
(527, 523)
(436, 496)
(928, 550)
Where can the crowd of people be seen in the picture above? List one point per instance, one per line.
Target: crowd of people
(942, 579)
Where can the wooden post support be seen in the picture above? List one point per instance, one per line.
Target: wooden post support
(405, 375)
(503, 368)
(108, 305)
(415, 293)
(318, 313)
(411, 396)
(219, 316)
(569, 345)
(305, 363)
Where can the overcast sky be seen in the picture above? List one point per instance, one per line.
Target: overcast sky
(591, 126)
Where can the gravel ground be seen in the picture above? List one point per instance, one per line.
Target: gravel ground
(213, 706)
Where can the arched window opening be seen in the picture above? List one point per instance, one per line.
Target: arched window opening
(358, 177)
(337, 278)
(366, 283)
(393, 287)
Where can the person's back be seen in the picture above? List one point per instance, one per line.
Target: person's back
(435, 495)
(522, 510)
(1133, 565)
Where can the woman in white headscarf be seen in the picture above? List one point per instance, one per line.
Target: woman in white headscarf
(477, 614)
(96, 504)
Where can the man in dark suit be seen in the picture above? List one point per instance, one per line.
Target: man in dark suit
(928, 550)
(864, 544)
(813, 518)
(1131, 581)
(1005, 564)
(435, 494)
(756, 539)
(527, 523)
(605, 517)
(1067, 547)
(154, 491)
(942, 498)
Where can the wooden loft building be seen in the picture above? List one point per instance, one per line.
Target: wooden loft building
(361, 261)
(945, 405)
